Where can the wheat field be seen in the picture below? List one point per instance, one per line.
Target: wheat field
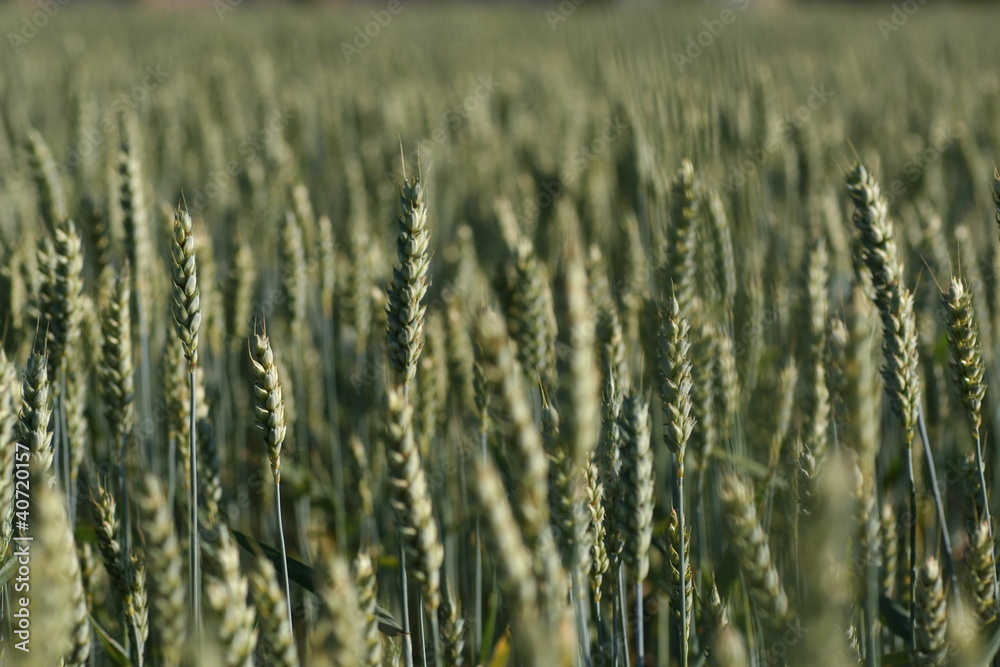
(575, 334)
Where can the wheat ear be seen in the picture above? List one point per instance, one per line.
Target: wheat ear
(115, 371)
(164, 560)
(277, 640)
(969, 369)
(51, 198)
(981, 567)
(366, 581)
(187, 324)
(36, 411)
(932, 621)
(894, 301)
(226, 594)
(405, 313)
(269, 414)
(338, 635)
(636, 509)
(497, 366)
(411, 500)
(750, 544)
(409, 282)
(682, 235)
(675, 397)
(54, 599)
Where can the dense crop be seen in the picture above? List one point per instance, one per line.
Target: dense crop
(578, 335)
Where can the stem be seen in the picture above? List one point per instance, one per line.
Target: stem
(407, 639)
(126, 537)
(622, 612)
(640, 652)
(423, 638)
(494, 605)
(301, 432)
(981, 467)
(337, 455)
(579, 597)
(63, 444)
(478, 633)
(615, 614)
(195, 549)
(171, 475)
(939, 504)
(436, 632)
(871, 594)
(284, 555)
(912, 565)
(601, 638)
(699, 511)
(145, 366)
(681, 550)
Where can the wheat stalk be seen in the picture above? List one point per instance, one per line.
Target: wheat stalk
(8, 443)
(899, 343)
(675, 398)
(115, 372)
(269, 414)
(187, 325)
(636, 510)
(969, 369)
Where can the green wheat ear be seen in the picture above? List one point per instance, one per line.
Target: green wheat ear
(410, 281)
(186, 294)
